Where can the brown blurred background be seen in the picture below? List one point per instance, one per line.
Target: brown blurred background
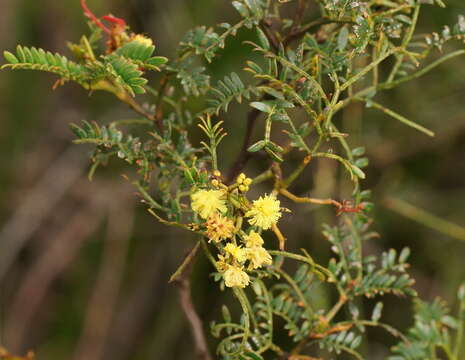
(84, 269)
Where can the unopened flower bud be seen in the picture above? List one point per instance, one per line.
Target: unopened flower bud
(247, 181)
(240, 179)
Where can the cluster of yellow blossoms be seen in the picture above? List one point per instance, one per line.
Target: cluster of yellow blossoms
(262, 214)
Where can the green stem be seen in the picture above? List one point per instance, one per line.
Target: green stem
(308, 308)
(390, 85)
(399, 117)
(334, 99)
(460, 331)
(148, 198)
(448, 351)
(295, 174)
(405, 42)
(268, 125)
(301, 72)
(266, 175)
(426, 69)
(425, 218)
(367, 69)
(269, 322)
(245, 310)
(391, 330)
(207, 252)
(343, 161)
(306, 259)
(335, 309)
(358, 244)
(352, 352)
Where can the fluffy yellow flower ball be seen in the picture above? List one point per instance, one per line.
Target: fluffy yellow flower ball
(207, 202)
(258, 257)
(253, 239)
(265, 212)
(219, 228)
(236, 252)
(236, 277)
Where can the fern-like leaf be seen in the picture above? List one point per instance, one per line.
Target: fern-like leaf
(141, 54)
(109, 138)
(346, 341)
(226, 91)
(431, 330)
(126, 74)
(194, 81)
(41, 60)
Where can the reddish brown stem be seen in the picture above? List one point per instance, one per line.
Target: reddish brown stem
(94, 18)
(244, 156)
(184, 286)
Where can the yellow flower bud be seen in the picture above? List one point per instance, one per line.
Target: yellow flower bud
(143, 40)
(247, 181)
(240, 179)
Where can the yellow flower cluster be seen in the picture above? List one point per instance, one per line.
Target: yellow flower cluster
(208, 202)
(236, 252)
(231, 264)
(256, 253)
(258, 257)
(236, 277)
(236, 257)
(265, 212)
(219, 228)
(253, 239)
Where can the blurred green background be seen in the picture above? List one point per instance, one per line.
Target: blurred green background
(84, 268)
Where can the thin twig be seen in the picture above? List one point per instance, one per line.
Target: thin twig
(309, 200)
(298, 33)
(280, 236)
(266, 27)
(301, 7)
(183, 283)
(159, 104)
(244, 156)
(399, 117)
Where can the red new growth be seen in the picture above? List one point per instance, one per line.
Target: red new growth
(346, 207)
(118, 24)
(94, 19)
(115, 31)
